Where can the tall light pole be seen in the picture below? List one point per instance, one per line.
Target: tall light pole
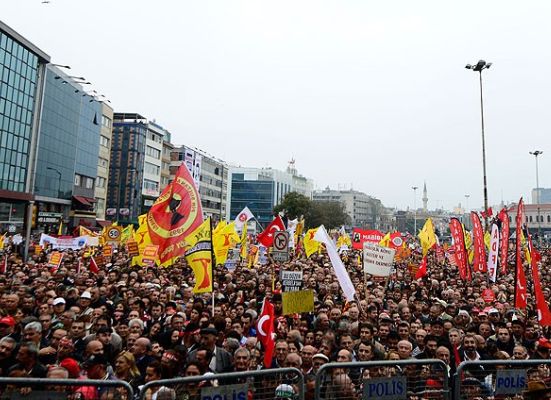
(415, 209)
(467, 203)
(479, 67)
(537, 153)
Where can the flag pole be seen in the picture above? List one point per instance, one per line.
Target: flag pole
(212, 264)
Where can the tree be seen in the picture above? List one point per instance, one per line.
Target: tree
(294, 205)
(331, 214)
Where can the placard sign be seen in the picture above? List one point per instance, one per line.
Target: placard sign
(378, 260)
(236, 392)
(510, 381)
(291, 280)
(394, 388)
(297, 302)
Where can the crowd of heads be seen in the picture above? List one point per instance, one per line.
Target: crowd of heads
(141, 324)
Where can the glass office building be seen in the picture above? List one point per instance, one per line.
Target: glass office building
(258, 195)
(22, 67)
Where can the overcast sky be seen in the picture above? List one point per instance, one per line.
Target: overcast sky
(368, 94)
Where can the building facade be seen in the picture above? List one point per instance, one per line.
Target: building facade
(541, 195)
(210, 175)
(261, 189)
(364, 211)
(22, 71)
(102, 179)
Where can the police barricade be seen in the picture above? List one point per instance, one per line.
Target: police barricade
(263, 384)
(383, 380)
(25, 388)
(499, 379)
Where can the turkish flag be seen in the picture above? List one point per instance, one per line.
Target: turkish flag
(93, 266)
(266, 238)
(265, 330)
(422, 271)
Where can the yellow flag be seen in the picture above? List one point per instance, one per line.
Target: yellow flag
(219, 226)
(385, 241)
(141, 236)
(487, 239)
(127, 233)
(427, 236)
(243, 253)
(524, 245)
(199, 256)
(311, 245)
(83, 231)
(225, 238)
(2, 238)
(469, 245)
(60, 230)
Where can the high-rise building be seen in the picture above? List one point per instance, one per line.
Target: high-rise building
(135, 169)
(364, 211)
(102, 179)
(261, 189)
(22, 71)
(210, 175)
(541, 196)
(68, 145)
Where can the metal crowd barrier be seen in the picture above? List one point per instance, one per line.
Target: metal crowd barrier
(25, 388)
(500, 379)
(400, 379)
(247, 385)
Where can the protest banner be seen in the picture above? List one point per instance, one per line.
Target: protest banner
(55, 259)
(377, 260)
(63, 243)
(298, 302)
(360, 236)
(150, 254)
(132, 248)
(107, 251)
(291, 280)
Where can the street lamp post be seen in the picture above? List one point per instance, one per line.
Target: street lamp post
(536, 154)
(58, 180)
(479, 67)
(415, 209)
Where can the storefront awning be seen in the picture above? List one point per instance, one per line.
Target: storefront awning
(87, 201)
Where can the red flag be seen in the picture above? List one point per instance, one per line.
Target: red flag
(520, 277)
(4, 265)
(176, 213)
(422, 271)
(459, 251)
(544, 315)
(93, 266)
(267, 236)
(504, 246)
(265, 330)
(487, 213)
(479, 263)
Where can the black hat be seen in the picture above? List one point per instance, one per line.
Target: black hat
(96, 359)
(209, 331)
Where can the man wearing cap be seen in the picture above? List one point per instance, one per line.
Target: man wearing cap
(7, 325)
(84, 303)
(59, 307)
(221, 360)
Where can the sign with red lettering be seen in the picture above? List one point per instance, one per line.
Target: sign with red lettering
(361, 236)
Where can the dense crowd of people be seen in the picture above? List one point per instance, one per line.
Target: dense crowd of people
(142, 325)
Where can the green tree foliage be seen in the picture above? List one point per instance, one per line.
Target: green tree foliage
(329, 213)
(294, 205)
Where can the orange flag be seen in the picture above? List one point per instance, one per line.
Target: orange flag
(176, 213)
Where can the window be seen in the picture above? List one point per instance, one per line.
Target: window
(152, 152)
(106, 121)
(103, 162)
(530, 218)
(100, 182)
(549, 218)
(89, 183)
(152, 169)
(104, 141)
(77, 180)
(150, 187)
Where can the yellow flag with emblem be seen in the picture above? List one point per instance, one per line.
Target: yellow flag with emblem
(427, 236)
(199, 256)
(222, 240)
(310, 245)
(469, 245)
(127, 233)
(141, 236)
(385, 241)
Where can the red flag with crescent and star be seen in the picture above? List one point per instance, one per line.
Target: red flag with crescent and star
(266, 238)
(176, 213)
(265, 330)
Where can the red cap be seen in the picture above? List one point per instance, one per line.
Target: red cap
(544, 342)
(7, 321)
(71, 365)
